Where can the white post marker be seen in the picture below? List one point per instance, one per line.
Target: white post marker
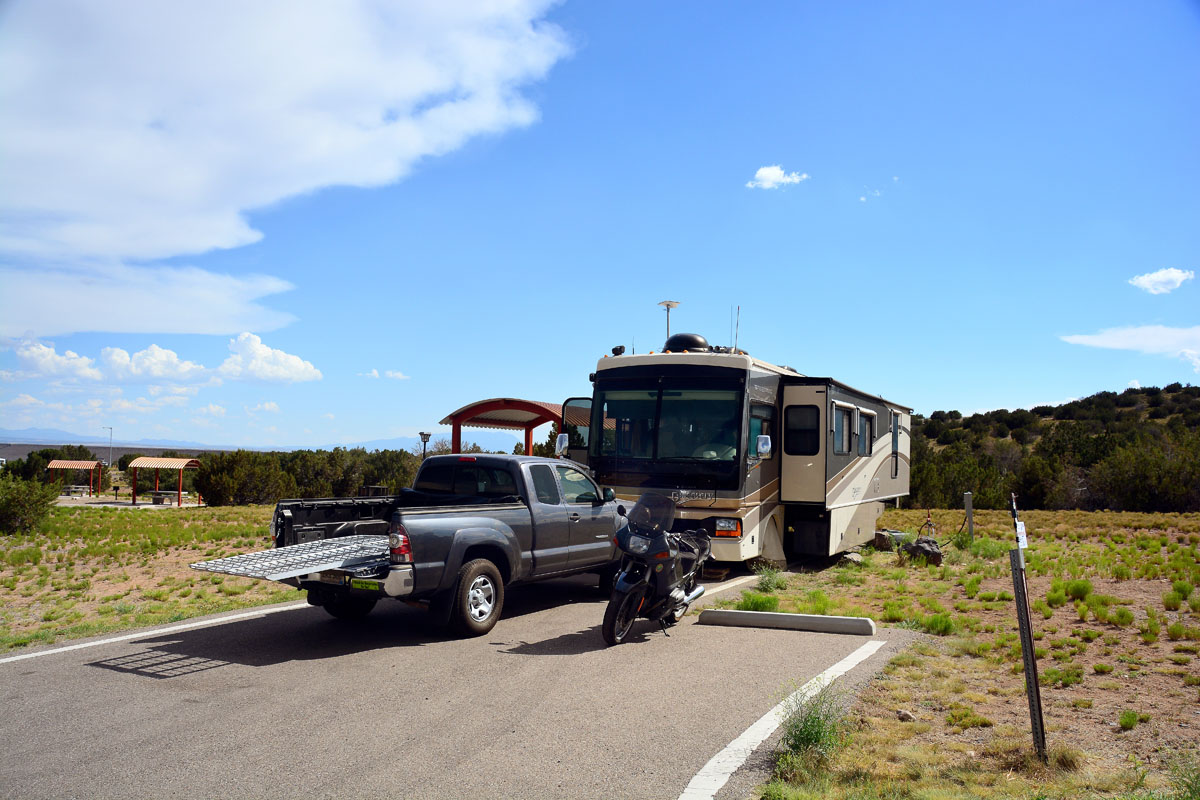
(716, 773)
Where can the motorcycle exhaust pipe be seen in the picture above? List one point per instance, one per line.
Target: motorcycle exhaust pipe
(694, 596)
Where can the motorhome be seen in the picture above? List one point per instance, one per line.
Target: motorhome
(772, 463)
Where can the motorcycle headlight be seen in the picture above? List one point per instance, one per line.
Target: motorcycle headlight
(638, 544)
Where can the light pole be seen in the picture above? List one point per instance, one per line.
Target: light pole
(668, 304)
(424, 441)
(109, 429)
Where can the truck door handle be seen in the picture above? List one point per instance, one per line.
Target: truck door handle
(574, 517)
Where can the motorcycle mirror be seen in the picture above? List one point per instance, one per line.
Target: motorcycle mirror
(621, 510)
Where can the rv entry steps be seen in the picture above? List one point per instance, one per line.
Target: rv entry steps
(344, 552)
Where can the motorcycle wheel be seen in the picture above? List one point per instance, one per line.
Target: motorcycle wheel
(619, 617)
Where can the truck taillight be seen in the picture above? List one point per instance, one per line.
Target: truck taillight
(399, 549)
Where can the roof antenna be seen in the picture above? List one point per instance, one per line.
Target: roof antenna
(737, 329)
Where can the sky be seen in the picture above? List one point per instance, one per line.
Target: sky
(281, 224)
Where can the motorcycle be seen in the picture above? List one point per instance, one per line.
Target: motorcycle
(659, 569)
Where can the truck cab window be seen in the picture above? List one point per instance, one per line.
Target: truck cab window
(577, 487)
(543, 484)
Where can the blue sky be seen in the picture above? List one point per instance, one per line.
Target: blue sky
(289, 224)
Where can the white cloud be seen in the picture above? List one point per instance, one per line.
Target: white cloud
(1163, 281)
(153, 362)
(57, 300)
(328, 416)
(773, 177)
(396, 375)
(372, 374)
(213, 410)
(253, 359)
(108, 160)
(269, 406)
(1150, 339)
(23, 401)
(44, 361)
(1135, 384)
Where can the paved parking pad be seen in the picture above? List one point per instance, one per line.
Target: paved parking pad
(300, 704)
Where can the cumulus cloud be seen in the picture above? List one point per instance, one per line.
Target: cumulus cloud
(1163, 281)
(44, 360)
(152, 363)
(396, 375)
(270, 407)
(1150, 339)
(372, 374)
(108, 161)
(23, 401)
(254, 360)
(212, 410)
(773, 177)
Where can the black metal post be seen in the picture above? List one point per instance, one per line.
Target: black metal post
(1033, 691)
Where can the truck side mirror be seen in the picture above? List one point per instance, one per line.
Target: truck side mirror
(763, 446)
(609, 495)
(560, 444)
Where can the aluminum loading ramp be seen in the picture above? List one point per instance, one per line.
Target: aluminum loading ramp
(344, 552)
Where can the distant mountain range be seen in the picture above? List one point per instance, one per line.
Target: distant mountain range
(487, 439)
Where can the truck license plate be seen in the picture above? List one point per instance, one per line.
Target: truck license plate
(370, 586)
(332, 577)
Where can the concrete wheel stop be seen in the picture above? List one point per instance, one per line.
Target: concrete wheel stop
(856, 626)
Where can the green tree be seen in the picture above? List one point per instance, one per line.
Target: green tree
(24, 504)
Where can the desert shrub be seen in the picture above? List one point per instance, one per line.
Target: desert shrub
(24, 504)
(1172, 601)
(939, 624)
(1121, 572)
(770, 579)
(1079, 589)
(1121, 617)
(1128, 720)
(814, 729)
(1182, 588)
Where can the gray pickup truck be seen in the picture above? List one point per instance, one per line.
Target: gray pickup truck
(470, 526)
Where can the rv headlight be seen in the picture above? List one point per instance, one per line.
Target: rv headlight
(638, 544)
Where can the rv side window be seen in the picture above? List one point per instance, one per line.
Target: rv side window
(895, 445)
(866, 434)
(801, 431)
(762, 423)
(843, 429)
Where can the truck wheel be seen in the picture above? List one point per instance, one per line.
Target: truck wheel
(349, 607)
(619, 617)
(478, 598)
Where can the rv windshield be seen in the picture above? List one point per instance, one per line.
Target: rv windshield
(667, 423)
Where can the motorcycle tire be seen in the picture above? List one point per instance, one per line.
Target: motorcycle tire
(619, 617)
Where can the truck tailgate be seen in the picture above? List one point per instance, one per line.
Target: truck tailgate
(344, 552)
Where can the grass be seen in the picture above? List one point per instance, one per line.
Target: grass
(90, 571)
(1102, 639)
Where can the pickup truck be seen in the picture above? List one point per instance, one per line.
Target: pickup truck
(471, 526)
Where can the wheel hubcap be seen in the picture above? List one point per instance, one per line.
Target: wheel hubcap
(481, 598)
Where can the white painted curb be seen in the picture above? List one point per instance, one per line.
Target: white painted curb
(858, 626)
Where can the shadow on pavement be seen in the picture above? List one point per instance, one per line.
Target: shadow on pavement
(311, 634)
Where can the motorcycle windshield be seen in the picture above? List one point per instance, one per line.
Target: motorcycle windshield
(654, 513)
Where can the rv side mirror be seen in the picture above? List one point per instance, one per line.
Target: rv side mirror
(763, 445)
(560, 444)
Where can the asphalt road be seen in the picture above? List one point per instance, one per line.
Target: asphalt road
(297, 704)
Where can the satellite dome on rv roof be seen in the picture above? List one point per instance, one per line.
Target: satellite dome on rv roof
(687, 343)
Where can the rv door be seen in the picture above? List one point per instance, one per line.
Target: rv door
(802, 456)
(575, 425)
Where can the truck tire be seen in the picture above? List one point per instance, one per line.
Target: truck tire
(478, 598)
(349, 607)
